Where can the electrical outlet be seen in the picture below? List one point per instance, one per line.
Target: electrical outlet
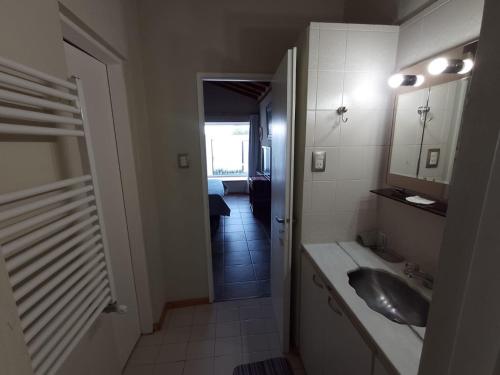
(183, 161)
(432, 158)
(318, 161)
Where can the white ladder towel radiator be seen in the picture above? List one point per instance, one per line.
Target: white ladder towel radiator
(52, 237)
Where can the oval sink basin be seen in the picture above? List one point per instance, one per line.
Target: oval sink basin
(390, 296)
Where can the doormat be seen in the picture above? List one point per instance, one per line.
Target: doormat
(273, 366)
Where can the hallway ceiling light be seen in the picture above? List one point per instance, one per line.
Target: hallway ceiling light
(454, 66)
(397, 80)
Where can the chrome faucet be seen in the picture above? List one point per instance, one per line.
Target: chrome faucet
(412, 270)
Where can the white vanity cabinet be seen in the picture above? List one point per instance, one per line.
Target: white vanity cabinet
(313, 316)
(329, 343)
(346, 351)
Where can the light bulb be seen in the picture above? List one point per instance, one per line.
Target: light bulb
(420, 80)
(395, 80)
(437, 66)
(467, 67)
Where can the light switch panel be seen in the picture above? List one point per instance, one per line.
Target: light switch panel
(318, 161)
(183, 160)
(433, 158)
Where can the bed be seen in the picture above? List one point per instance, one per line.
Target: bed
(216, 203)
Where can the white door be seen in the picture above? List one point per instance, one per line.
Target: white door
(94, 78)
(282, 123)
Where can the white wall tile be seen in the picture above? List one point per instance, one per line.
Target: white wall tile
(310, 126)
(317, 228)
(371, 51)
(356, 131)
(377, 160)
(312, 89)
(380, 130)
(327, 130)
(337, 203)
(332, 47)
(333, 26)
(350, 193)
(347, 224)
(352, 163)
(366, 90)
(313, 48)
(330, 86)
(376, 28)
(323, 196)
(332, 164)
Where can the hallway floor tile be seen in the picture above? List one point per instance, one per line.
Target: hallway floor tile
(213, 340)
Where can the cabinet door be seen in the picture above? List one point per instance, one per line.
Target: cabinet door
(345, 350)
(312, 319)
(378, 368)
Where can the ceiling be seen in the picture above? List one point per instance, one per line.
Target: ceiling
(254, 89)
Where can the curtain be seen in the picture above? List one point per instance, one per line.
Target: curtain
(253, 146)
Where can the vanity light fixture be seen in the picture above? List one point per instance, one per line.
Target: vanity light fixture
(399, 79)
(454, 66)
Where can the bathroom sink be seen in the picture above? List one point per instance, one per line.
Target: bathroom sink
(390, 296)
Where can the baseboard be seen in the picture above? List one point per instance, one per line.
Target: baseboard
(175, 305)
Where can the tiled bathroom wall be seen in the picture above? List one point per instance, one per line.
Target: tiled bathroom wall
(348, 66)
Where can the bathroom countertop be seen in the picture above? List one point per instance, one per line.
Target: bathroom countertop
(401, 344)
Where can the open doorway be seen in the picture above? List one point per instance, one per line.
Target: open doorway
(237, 151)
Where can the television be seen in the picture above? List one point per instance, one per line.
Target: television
(265, 160)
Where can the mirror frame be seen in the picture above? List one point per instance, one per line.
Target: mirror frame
(432, 189)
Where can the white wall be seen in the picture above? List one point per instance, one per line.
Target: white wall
(115, 24)
(463, 334)
(445, 24)
(180, 39)
(348, 65)
(38, 43)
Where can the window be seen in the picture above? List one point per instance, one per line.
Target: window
(227, 148)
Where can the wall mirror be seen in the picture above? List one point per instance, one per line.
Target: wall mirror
(427, 119)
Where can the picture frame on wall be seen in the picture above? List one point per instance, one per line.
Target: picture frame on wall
(269, 114)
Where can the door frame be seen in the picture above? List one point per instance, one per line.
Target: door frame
(79, 37)
(200, 78)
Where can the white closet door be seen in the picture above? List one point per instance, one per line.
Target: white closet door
(97, 96)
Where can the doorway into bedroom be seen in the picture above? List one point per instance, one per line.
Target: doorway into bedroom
(237, 152)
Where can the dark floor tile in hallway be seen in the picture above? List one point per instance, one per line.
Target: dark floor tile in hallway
(240, 254)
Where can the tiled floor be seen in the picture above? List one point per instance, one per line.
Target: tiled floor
(210, 340)
(240, 254)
